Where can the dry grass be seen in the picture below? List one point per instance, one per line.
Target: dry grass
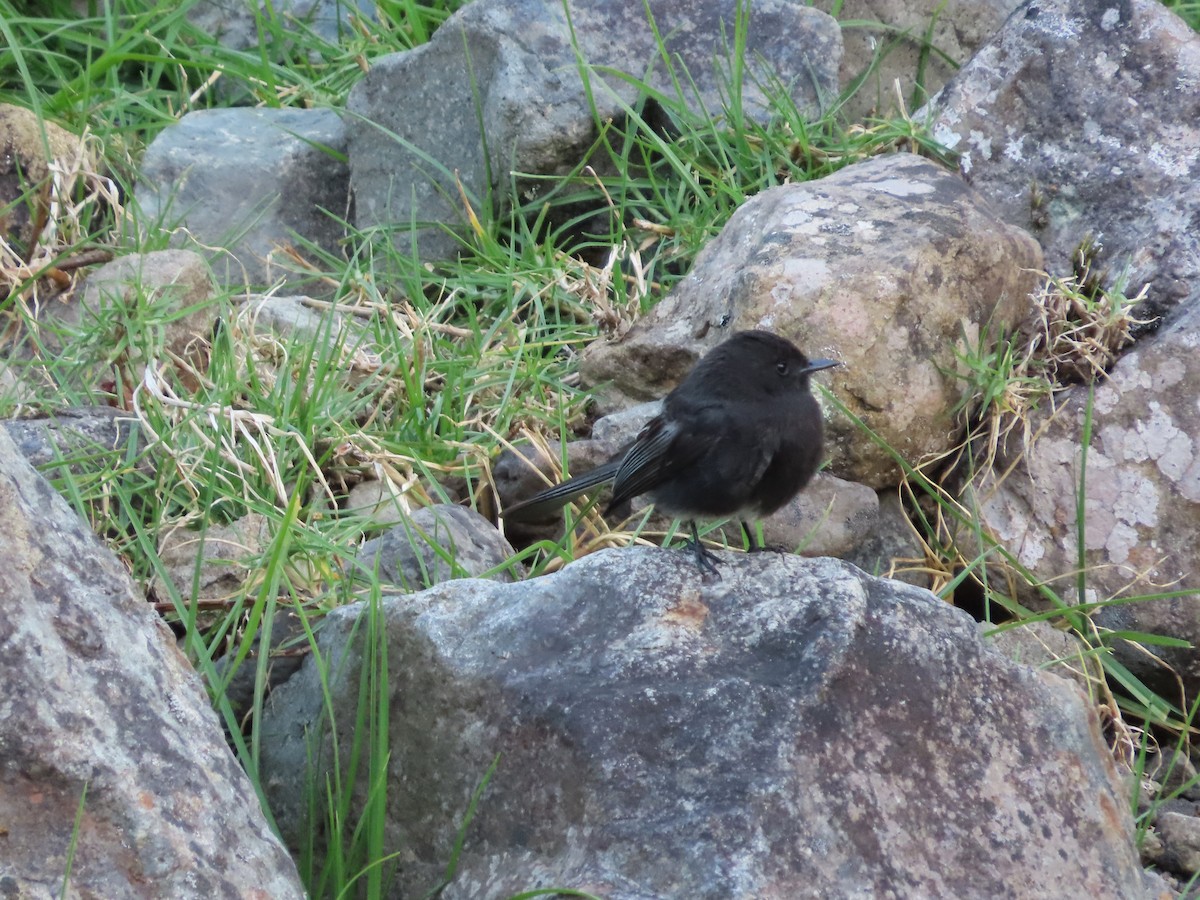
(66, 206)
(1073, 334)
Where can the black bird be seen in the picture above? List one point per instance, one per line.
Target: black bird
(738, 437)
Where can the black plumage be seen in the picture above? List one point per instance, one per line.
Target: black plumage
(738, 437)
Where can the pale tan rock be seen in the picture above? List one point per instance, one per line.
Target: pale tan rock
(893, 266)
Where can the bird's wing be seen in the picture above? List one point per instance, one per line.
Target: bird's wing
(540, 505)
(654, 457)
(700, 439)
(706, 458)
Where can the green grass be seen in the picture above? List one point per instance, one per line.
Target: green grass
(1188, 10)
(463, 357)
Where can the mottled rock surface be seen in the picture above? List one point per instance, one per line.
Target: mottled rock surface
(1083, 118)
(797, 729)
(1140, 484)
(97, 699)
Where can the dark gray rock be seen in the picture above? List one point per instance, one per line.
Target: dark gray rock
(79, 438)
(97, 698)
(891, 548)
(524, 470)
(1083, 118)
(288, 648)
(893, 266)
(797, 729)
(249, 181)
(235, 25)
(436, 544)
(499, 90)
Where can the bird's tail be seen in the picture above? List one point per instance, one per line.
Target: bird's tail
(540, 506)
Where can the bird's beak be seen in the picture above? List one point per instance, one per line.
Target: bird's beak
(816, 365)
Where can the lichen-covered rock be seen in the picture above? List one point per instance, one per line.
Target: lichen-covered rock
(1082, 118)
(1139, 480)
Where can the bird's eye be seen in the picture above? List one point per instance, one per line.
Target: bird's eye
(781, 368)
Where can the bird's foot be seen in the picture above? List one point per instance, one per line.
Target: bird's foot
(769, 548)
(705, 558)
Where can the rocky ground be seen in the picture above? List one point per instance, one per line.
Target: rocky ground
(822, 724)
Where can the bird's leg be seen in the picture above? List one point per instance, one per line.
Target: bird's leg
(757, 546)
(751, 537)
(705, 559)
